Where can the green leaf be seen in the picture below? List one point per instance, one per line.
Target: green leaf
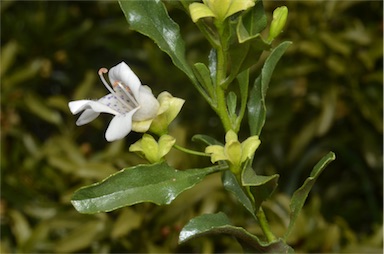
(256, 104)
(251, 23)
(250, 44)
(231, 184)
(237, 53)
(156, 183)
(212, 65)
(243, 80)
(260, 186)
(151, 19)
(204, 77)
(232, 104)
(301, 194)
(219, 224)
(205, 139)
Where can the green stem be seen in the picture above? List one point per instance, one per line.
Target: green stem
(189, 151)
(221, 108)
(264, 225)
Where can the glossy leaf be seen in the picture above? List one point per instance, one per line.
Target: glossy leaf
(251, 23)
(237, 53)
(232, 104)
(151, 19)
(243, 80)
(260, 186)
(219, 223)
(249, 46)
(232, 185)
(204, 77)
(212, 65)
(156, 183)
(301, 194)
(256, 47)
(256, 103)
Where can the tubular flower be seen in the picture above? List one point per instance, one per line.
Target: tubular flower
(129, 101)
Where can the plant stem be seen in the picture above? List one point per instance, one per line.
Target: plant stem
(221, 108)
(189, 151)
(264, 225)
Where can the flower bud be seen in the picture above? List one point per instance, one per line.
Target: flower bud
(169, 108)
(153, 151)
(280, 15)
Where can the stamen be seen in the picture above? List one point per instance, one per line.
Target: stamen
(127, 91)
(101, 73)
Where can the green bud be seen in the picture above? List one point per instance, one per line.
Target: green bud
(169, 108)
(153, 151)
(218, 9)
(280, 15)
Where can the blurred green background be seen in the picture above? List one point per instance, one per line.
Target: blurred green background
(326, 94)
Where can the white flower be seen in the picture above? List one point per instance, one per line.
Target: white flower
(128, 100)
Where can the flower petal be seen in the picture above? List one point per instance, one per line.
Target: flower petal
(80, 105)
(148, 105)
(77, 106)
(166, 142)
(199, 10)
(232, 151)
(231, 136)
(249, 147)
(150, 148)
(236, 6)
(112, 102)
(141, 126)
(120, 126)
(217, 153)
(123, 73)
(87, 116)
(169, 104)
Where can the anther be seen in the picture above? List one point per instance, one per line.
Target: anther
(102, 71)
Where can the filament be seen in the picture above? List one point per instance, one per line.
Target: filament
(101, 73)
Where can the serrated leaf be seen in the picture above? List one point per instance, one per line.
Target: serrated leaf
(301, 194)
(151, 19)
(156, 183)
(219, 223)
(256, 103)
